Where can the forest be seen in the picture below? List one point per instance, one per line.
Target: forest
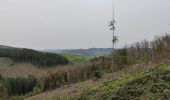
(35, 57)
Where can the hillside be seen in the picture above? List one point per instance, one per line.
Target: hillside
(137, 82)
(10, 69)
(99, 78)
(85, 52)
(147, 85)
(32, 56)
(75, 59)
(3, 46)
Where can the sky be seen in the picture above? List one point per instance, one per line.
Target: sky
(73, 24)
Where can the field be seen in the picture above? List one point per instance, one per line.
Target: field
(76, 59)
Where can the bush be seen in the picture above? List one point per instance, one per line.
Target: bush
(54, 80)
(98, 74)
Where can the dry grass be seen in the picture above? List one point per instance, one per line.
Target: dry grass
(10, 69)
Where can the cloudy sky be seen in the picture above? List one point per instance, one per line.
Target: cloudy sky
(53, 24)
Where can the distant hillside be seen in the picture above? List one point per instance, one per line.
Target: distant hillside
(85, 52)
(32, 56)
(75, 59)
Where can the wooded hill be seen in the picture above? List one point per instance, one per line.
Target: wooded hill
(40, 59)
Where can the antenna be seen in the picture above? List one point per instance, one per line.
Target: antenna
(112, 27)
(169, 25)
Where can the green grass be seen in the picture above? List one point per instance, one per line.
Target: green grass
(76, 59)
(146, 85)
(156, 85)
(139, 62)
(165, 67)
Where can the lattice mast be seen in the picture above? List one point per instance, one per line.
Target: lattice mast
(112, 28)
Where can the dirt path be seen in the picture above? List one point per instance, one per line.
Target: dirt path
(67, 91)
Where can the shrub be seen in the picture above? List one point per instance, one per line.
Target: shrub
(98, 74)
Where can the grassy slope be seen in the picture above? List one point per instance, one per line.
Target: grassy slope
(76, 59)
(71, 91)
(105, 89)
(146, 85)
